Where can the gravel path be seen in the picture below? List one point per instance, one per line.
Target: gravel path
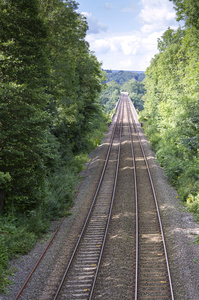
(179, 227)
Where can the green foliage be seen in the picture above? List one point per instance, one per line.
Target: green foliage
(50, 115)
(122, 76)
(15, 239)
(136, 92)
(4, 178)
(61, 187)
(16, 236)
(50, 83)
(171, 110)
(193, 204)
(4, 258)
(24, 122)
(170, 37)
(4, 278)
(188, 10)
(110, 96)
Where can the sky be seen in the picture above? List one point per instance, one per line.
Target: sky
(123, 34)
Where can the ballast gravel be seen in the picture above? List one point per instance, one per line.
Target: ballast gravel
(179, 227)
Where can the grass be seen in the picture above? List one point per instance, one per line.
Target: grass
(197, 240)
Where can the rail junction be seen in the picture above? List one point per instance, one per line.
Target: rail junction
(125, 174)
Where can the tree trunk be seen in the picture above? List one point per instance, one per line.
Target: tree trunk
(2, 200)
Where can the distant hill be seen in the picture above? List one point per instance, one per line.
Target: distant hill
(111, 94)
(122, 76)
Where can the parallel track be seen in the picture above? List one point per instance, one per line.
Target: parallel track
(152, 279)
(151, 274)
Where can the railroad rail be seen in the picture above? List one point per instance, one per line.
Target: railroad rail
(153, 279)
(151, 273)
(81, 273)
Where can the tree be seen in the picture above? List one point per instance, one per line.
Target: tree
(110, 95)
(169, 38)
(23, 125)
(136, 92)
(187, 10)
(50, 116)
(171, 108)
(75, 76)
(122, 76)
(50, 85)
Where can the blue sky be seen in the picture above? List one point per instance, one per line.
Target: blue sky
(123, 34)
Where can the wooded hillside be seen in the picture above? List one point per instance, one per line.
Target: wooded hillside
(122, 76)
(50, 116)
(171, 108)
(111, 94)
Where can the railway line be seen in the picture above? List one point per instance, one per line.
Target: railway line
(147, 274)
(79, 279)
(153, 279)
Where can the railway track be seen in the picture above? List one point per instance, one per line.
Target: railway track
(148, 275)
(153, 279)
(152, 275)
(79, 278)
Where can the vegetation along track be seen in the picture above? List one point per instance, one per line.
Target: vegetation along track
(148, 275)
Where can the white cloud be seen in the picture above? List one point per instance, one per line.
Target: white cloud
(134, 49)
(100, 45)
(156, 14)
(125, 51)
(93, 23)
(124, 44)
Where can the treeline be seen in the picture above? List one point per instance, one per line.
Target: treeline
(136, 92)
(50, 83)
(171, 108)
(122, 76)
(50, 115)
(111, 94)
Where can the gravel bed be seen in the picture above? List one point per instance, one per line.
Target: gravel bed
(179, 227)
(115, 280)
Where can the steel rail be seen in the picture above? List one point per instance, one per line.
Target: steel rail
(92, 205)
(156, 202)
(136, 205)
(110, 210)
